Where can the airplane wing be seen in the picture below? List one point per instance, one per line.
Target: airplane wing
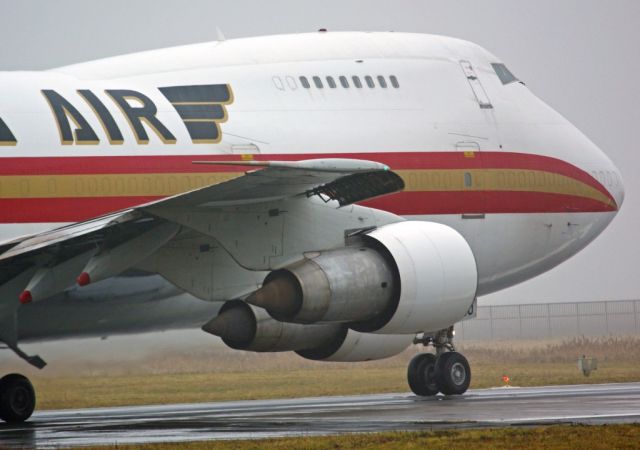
(37, 266)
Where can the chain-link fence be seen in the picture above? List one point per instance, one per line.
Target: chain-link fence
(551, 320)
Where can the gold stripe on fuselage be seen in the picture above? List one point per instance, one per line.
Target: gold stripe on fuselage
(165, 184)
(516, 180)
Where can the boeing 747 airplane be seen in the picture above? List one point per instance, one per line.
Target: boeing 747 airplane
(340, 195)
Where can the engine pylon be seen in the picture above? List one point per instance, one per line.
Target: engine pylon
(112, 261)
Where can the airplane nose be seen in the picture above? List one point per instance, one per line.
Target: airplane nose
(608, 175)
(619, 188)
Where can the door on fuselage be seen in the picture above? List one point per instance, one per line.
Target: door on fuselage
(472, 195)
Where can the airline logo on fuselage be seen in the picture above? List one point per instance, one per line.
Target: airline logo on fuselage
(202, 109)
(6, 136)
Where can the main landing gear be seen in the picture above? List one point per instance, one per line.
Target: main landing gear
(447, 371)
(17, 398)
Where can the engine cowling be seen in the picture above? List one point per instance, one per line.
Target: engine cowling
(407, 277)
(353, 346)
(438, 277)
(245, 327)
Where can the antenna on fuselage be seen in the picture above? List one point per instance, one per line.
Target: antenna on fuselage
(219, 35)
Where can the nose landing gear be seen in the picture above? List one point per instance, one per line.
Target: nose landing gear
(447, 371)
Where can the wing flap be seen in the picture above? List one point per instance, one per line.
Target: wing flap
(358, 187)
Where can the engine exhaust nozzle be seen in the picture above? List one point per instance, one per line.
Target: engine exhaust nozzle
(280, 295)
(351, 284)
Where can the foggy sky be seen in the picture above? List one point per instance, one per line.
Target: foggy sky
(580, 56)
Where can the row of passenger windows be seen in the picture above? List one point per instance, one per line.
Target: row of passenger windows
(332, 83)
(508, 179)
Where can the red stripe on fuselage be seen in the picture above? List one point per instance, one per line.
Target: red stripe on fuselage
(184, 163)
(26, 210)
(483, 202)
(67, 209)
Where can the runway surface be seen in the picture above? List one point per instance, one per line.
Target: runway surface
(603, 403)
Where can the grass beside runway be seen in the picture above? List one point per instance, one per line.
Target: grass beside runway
(548, 437)
(210, 376)
(98, 391)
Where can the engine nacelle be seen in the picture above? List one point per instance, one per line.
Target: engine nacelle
(438, 277)
(354, 346)
(245, 327)
(407, 277)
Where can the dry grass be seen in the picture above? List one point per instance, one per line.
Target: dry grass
(610, 348)
(550, 437)
(200, 375)
(202, 358)
(95, 391)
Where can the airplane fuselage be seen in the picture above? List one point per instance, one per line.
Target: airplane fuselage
(477, 150)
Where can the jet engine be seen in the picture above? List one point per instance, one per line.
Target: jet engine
(403, 278)
(245, 327)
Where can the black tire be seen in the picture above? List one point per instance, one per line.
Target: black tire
(421, 375)
(17, 398)
(453, 374)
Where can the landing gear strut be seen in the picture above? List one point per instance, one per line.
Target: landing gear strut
(17, 398)
(447, 371)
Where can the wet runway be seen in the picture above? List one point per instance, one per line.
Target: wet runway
(603, 403)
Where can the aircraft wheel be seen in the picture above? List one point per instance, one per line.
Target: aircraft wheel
(421, 375)
(17, 398)
(453, 374)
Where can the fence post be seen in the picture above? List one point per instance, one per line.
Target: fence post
(635, 313)
(549, 319)
(520, 319)
(578, 317)
(491, 320)
(606, 315)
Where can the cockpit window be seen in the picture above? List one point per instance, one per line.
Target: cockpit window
(503, 73)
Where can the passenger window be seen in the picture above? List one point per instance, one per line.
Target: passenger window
(304, 82)
(52, 186)
(369, 81)
(382, 82)
(318, 82)
(331, 82)
(503, 73)
(394, 81)
(356, 82)
(344, 82)
(291, 82)
(25, 187)
(467, 179)
(277, 82)
(522, 179)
